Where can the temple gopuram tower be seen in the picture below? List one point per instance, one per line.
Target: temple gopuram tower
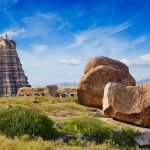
(12, 76)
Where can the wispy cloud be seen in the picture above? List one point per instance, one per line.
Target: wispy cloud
(13, 32)
(73, 61)
(44, 24)
(5, 4)
(143, 60)
(97, 33)
(110, 41)
(139, 66)
(38, 49)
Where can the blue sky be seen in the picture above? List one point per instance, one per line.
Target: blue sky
(55, 38)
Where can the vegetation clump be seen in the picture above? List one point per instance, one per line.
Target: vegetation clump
(20, 121)
(36, 100)
(100, 132)
(91, 127)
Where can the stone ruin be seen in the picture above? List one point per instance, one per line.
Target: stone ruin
(67, 92)
(12, 76)
(50, 90)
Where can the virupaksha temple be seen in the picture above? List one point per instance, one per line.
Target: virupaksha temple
(12, 76)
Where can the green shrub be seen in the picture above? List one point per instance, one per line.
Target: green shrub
(101, 132)
(125, 136)
(90, 127)
(36, 100)
(20, 121)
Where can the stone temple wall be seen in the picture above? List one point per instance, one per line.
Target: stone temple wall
(12, 76)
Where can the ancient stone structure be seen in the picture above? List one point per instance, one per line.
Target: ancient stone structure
(97, 73)
(12, 76)
(50, 90)
(127, 103)
(67, 92)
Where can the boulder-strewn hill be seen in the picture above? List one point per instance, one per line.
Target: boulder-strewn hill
(68, 84)
(143, 81)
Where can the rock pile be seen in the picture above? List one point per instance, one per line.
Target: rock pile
(97, 73)
(107, 84)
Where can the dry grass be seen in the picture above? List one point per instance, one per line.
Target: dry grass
(38, 144)
(53, 107)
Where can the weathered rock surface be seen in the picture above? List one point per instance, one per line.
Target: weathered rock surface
(128, 103)
(97, 73)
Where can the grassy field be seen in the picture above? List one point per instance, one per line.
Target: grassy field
(38, 144)
(73, 119)
(53, 107)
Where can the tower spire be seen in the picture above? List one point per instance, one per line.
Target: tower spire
(6, 36)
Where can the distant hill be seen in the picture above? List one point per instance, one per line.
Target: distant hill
(143, 81)
(70, 84)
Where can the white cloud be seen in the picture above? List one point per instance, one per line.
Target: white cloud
(143, 60)
(145, 57)
(40, 49)
(43, 68)
(73, 61)
(13, 32)
(139, 66)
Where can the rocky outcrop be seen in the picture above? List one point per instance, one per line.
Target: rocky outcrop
(12, 76)
(128, 103)
(97, 73)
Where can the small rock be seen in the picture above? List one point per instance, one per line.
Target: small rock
(83, 138)
(143, 140)
(8, 106)
(117, 132)
(66, 138)
(57, 125)
(93, 109)
(51, 102)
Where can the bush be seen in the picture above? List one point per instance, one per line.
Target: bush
(91, 127)
(125, 137)
(21, 121)
(36, 100)
(100, 132)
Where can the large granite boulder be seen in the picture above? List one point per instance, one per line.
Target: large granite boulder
(128, 103)
(97, 73)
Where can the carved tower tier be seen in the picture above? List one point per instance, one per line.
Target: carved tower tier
(12, 76)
